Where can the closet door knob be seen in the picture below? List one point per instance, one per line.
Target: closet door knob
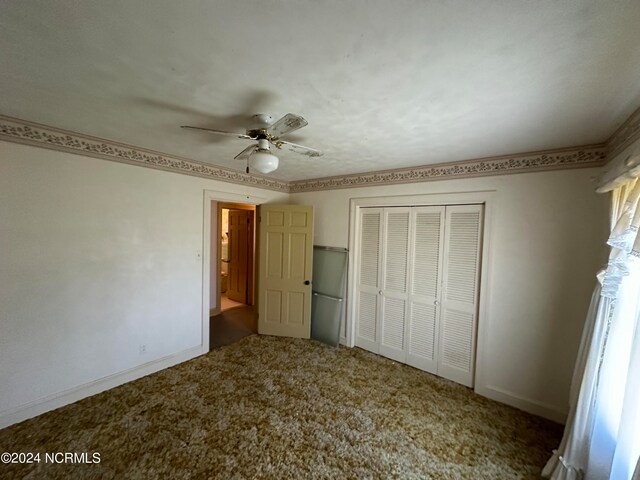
(436, 303)
(307, 282)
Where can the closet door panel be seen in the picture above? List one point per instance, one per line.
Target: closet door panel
(395, 261)
(367, 329)
(422, 336)
(427, 245)
(460, 293)
(393, 321)
(368, 281)
(457, 345)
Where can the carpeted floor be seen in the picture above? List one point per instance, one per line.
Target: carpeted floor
(268, 407)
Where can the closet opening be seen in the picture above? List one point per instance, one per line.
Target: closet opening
(415, 285)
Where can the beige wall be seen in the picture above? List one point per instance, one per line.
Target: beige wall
(547, 242)
(96, 259)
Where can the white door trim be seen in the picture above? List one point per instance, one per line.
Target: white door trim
(218, 196)
(486, 197)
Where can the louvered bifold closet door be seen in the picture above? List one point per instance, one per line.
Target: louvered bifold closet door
(458, 318)
(368, 279)
(423, 326)
(395, 261)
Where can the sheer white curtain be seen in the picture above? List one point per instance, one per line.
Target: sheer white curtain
(602, 434)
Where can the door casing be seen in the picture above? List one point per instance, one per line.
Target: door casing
(209, 228)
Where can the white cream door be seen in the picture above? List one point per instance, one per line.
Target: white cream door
(456, 359)
(368, 279)
(423, 326)
(286, 261)
(394, 295)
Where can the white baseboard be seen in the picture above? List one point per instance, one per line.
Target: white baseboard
(57, 400)
(542, 409)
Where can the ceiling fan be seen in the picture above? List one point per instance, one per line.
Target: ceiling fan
(263, 129)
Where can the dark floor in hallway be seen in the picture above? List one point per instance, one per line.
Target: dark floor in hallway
(232, 325)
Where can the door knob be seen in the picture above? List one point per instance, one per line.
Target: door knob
(436, 302)
(307, 282)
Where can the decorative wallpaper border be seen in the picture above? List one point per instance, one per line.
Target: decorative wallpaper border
(628, 133)
(579, 157)
(29, 133)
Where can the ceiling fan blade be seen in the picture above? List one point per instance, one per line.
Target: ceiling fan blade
(286, 124)
(220, 132)
(292, 147)
(246, 152)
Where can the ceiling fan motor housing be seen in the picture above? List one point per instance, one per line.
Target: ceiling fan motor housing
(258, 125)
(263, 144)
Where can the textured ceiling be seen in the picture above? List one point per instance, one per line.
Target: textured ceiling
(383, 84)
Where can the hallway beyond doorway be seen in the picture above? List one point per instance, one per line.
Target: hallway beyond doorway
(232, 325)
(226, 303)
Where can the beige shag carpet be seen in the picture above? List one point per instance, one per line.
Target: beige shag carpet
(269, 407)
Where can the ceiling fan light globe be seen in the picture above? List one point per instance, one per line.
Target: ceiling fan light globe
(264, 162)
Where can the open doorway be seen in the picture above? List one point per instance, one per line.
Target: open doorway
(234, 273)
(237, 248)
